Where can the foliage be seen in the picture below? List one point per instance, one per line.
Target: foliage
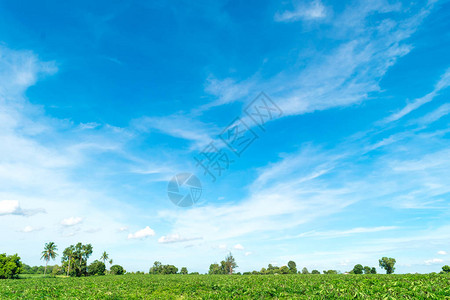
(305, 271)
(409, 286)
(230, 264)
(184, 271)
(446, 269)
(330, 272)
(49, 253)
(10, 266)
(96, 268)
(358, 269)
(315, 272)
(160, 269)
(387, 263)
(75, 258)
(117, 270)
(292, 267)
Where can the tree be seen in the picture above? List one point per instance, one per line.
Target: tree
(96, 268)
(292, 267)
(76, 257)
(330, 272)
(358, 269)
(104, 257)
(117, 270)
(284, 270)
(305, 271)
(373, 270)
(446, 269)
(215, 269)
(387, 263)
(315, 272)
(157, 268)
(184, 271)
(230, 264)
(10, 266)
(68, 257)
(49, 253)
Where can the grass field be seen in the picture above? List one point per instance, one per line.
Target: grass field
(226, 287)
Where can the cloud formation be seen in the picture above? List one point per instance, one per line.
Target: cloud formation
(142, 234)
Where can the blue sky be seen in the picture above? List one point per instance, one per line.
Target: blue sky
(101, 104)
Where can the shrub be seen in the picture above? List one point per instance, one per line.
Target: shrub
(10, 266)
(96, 268)
(117, 270)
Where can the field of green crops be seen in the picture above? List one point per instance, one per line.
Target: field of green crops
(226, 287)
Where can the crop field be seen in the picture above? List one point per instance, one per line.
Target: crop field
(432, 286)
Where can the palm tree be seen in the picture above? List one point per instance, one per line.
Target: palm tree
(49, 253)
(104, 257)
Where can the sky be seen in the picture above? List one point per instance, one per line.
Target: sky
(318, 130)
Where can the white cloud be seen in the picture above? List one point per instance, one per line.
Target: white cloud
(141, 234)
(341, 233)
(442, 252)
(443, 83)
(12, 207)
(174, 238)
(9, 207)
(238, 247)
(433, 261)
(248, 253)
(123, 228)
(71, 221)
(222, 246)
(313, 10)
(435, 115)
(178, 126)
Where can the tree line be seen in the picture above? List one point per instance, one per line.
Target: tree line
(74, 263)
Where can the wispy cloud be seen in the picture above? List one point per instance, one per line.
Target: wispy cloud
(442, 84)
(433, 261)
(305, 10)
(12, 207)
(175, 238)
(342, 233)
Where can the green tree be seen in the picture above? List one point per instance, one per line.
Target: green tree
(315, 272)
(75, 258)
(373, 270)
(330, 272)
(446, 269)
(358, 269)
(68, 258)
(10, 266)
(387, 263)
(49, 253)
(284, 270)
(366, 270)
(96, 268)
(292, 267)
(184, 271)
(156, 268)
(230, 264)
(215, 269)
(305, 271)
(117, 270)
(104, 257)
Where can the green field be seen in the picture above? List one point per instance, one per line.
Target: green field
(430, 286)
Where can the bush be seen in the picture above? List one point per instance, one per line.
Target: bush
(96, 268)
(117, 270)
(10, 266)
(446, 269)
